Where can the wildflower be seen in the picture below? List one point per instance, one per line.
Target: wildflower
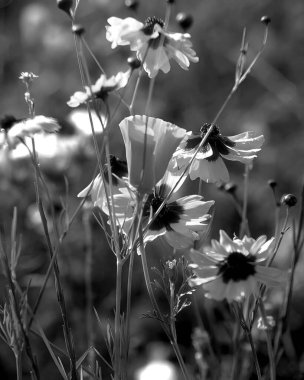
(150, 144)
(100, 89)
(96, 188)
(13, 130)
(180, 221)
(82, 123)
(208, 164)
(232, 270)
(153, 45)
(28, 78)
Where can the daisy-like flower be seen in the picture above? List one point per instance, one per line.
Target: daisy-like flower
(233, 269)
(100, 89)
(150, 144)
(13, 130)
(180, 221)
(153, 45)
(96, 188)
(208, 164)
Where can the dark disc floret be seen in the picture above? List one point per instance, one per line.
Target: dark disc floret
(236, 267)
(217, 141)
(8, 121)
(119, 168)
(149, 24)
(169, 214)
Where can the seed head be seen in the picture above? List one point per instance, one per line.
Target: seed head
(131, 4)
(265, 20)
(134, 63)
(184, 20)
(289, 200)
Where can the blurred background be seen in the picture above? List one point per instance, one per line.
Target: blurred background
(35, 36)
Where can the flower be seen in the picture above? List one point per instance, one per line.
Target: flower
(150, 144)
(96, 188)
(232, 270)
(180, 221)
(208, 164)
(13, 130)
(81, 122)
(153, 45)
(100, 89)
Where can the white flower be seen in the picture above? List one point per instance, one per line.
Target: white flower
(208, 164)
(154, 46)
(13, 130)
(96, 189)
(232, 270)
(150, 144)
(81, 121)
(180, 221)
(100, 89)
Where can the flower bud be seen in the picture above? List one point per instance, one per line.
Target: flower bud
(272, 183)
(132, 4)
(184, 20)
(289, 200)
(65, 6)
(230, 187)
(134, 63)
(266, 20)
(78, 29)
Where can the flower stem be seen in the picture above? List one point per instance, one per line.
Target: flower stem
(18, 366)
(244, 223)
(170, 332)
(117, 329)
(270, 350)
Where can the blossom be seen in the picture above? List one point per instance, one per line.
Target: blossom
(150, 144)
(153, 45)
(82, 122)
(13, 130)
(180, 221)
(100, 89)
(96, 189)
(233, 269)
(208, 164)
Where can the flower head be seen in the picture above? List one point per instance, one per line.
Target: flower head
(232, 270)
(153, 45)
(150, 144)
(15, 130)
(96, 189)
(180, 221)
(208, 164)
(100, 89)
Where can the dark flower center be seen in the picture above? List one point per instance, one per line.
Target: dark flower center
(236, 267)
(8, 121)
(149, 24)
(169, 214)
(119, 169)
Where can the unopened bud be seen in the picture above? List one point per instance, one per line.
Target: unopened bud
(272, 183)
(184, 20)
(65, 6)
(266, 20)
(289, 200)
(131, 4)
(78, 29)
(134, 63)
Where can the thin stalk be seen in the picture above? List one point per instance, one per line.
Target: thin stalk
(18, 366)
(117, 329)
(244, 223)
(88, 285)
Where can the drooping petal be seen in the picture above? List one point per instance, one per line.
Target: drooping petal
(209, 171)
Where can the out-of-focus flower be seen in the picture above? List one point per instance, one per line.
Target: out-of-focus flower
(13, 130)
(100, 89)
(96, 189)
(153, 45)
(180, 221)
(81, 121)
(27, 78)
(208, 164)
(232, 270)
(150, 144)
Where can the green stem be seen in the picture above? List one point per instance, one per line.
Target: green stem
(244, 223)
(117, 333)
(270, 351)
(18, 366)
